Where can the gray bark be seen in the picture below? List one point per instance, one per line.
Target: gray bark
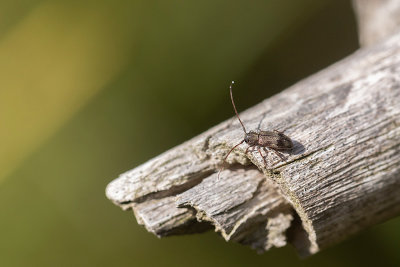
(342, 176)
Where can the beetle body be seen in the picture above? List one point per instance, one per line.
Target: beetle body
(274, 140)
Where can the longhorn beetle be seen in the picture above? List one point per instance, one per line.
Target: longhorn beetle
(275, 140)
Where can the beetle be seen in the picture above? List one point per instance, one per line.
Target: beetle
(274, 140)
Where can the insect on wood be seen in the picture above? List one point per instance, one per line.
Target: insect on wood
(274, 140)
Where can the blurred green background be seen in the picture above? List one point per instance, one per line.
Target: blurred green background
(90, 89)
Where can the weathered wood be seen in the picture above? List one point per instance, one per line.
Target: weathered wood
(377, 19)
(342, 176)
(248, 210)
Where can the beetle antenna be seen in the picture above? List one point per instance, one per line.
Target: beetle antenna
(234, 107)
(227, 157)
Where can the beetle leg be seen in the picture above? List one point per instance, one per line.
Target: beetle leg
(279, 155)
(265, 150)
(259, 151)
(247, 149)
(279, 132)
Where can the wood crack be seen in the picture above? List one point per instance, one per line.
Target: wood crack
(342, 176)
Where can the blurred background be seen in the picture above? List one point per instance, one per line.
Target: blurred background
(90, 89)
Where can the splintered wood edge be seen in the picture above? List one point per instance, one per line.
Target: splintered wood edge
(342, 176)
(243, 206)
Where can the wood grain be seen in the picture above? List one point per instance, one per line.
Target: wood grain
(342, 176)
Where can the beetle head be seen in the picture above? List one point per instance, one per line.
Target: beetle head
(251, 138)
